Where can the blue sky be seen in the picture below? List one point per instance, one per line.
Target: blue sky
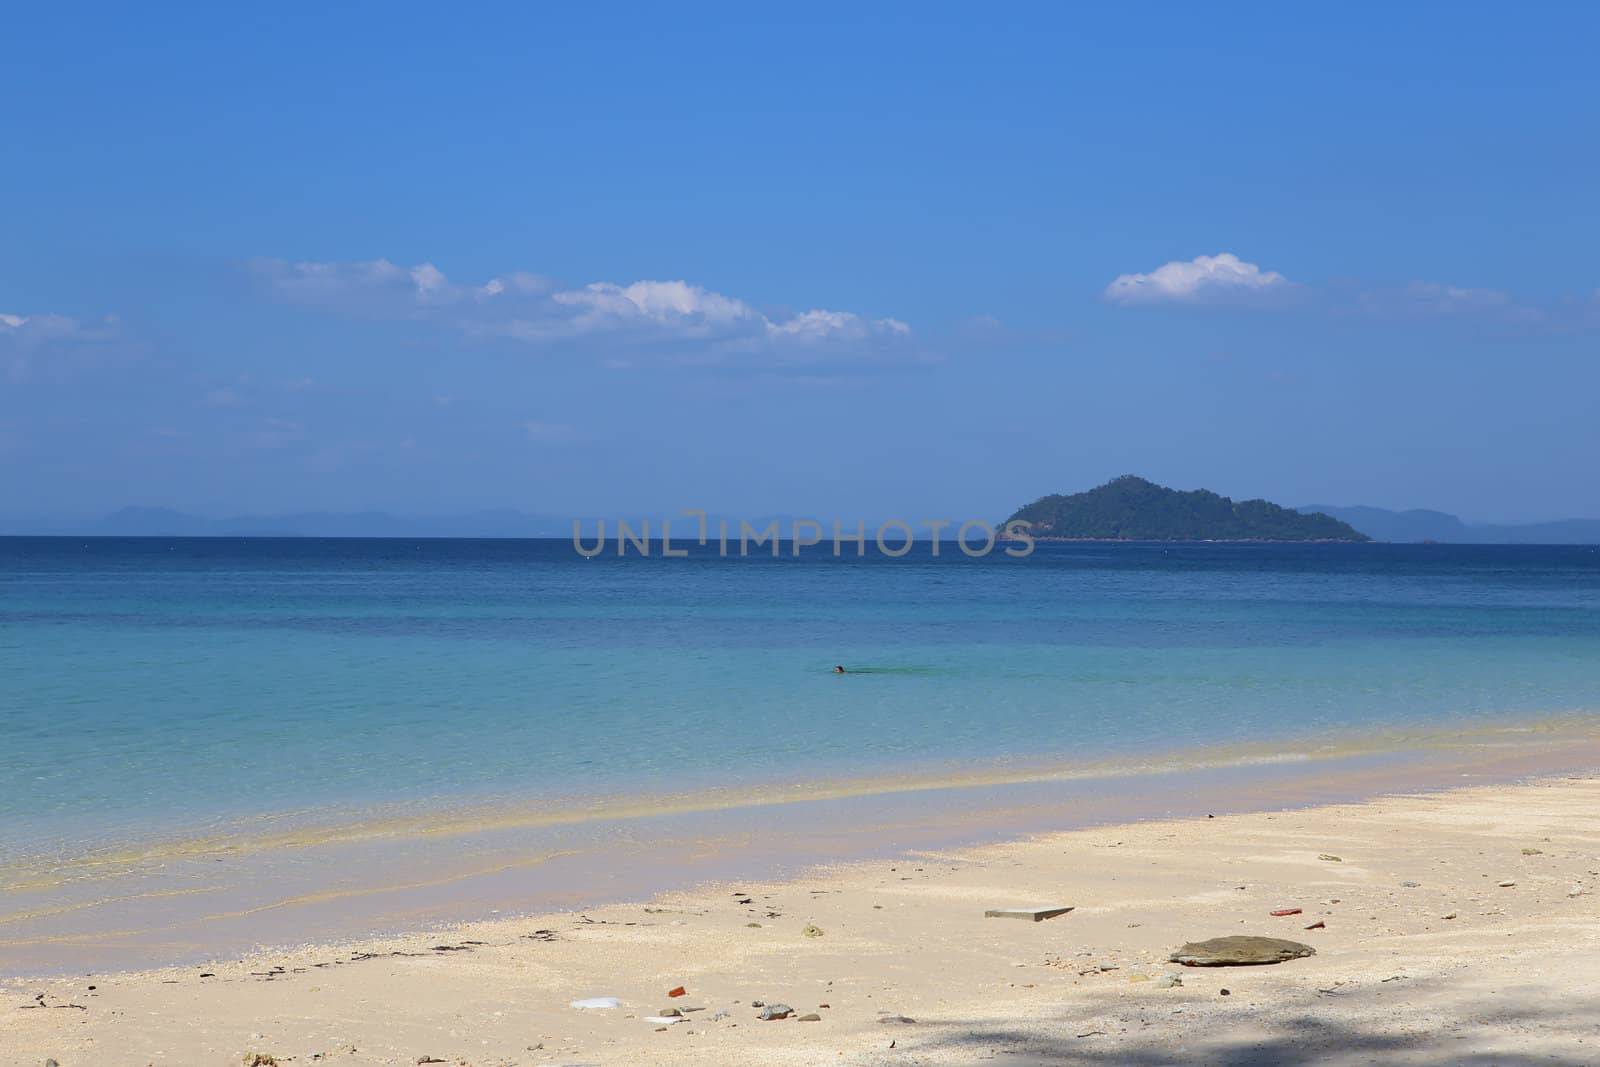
(915, 262)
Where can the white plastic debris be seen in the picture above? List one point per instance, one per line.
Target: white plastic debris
(597, 1002)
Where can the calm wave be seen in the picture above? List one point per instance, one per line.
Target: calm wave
(159, 685)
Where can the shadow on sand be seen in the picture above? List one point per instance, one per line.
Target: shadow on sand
(1423, 1026)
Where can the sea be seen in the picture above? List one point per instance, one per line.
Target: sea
(212, 744)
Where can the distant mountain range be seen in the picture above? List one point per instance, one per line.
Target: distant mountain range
(505, 522)
(1131, 508)
(164, 522)
(1103, 512)
(1380, 524)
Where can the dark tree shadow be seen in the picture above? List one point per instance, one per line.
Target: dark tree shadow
(1364, 1025)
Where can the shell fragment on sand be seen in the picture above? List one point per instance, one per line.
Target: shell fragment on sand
(1240, 951)
(1037, 915)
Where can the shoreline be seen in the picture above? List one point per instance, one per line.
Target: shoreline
(195, 900)
(1420, 940)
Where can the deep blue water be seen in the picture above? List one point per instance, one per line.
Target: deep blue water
(159, 685)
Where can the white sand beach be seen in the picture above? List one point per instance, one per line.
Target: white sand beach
(1453, 927)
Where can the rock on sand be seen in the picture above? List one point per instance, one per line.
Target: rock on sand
(1239, 951)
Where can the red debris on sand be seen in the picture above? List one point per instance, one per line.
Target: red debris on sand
(1285, 911)
(1318, 925)
(677, 992)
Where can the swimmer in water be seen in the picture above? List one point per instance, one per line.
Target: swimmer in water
(839, 670)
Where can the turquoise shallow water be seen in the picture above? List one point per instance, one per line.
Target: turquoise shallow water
(181, 719)
(155, 686)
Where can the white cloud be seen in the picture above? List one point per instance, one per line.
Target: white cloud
(333, 282)
(1222, 278)
(276, 433)
(816, 326)
(687, 321)
(37, 329)
(24, 338)
(1435, 300)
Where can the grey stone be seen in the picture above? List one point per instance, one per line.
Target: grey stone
(775, 1011)
(1240, 951)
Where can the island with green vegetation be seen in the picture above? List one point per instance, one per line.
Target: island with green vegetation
(1131, 508)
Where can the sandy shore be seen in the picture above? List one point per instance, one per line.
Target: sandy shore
(1455, 968)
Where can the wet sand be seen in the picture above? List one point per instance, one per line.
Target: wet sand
(1456, 968)
(296, 879)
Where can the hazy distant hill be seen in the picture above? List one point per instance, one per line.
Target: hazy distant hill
(504, 522)
(1383, 525)
(1130, 508)
(165, 522)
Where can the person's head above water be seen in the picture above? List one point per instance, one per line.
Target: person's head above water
(838, 670)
